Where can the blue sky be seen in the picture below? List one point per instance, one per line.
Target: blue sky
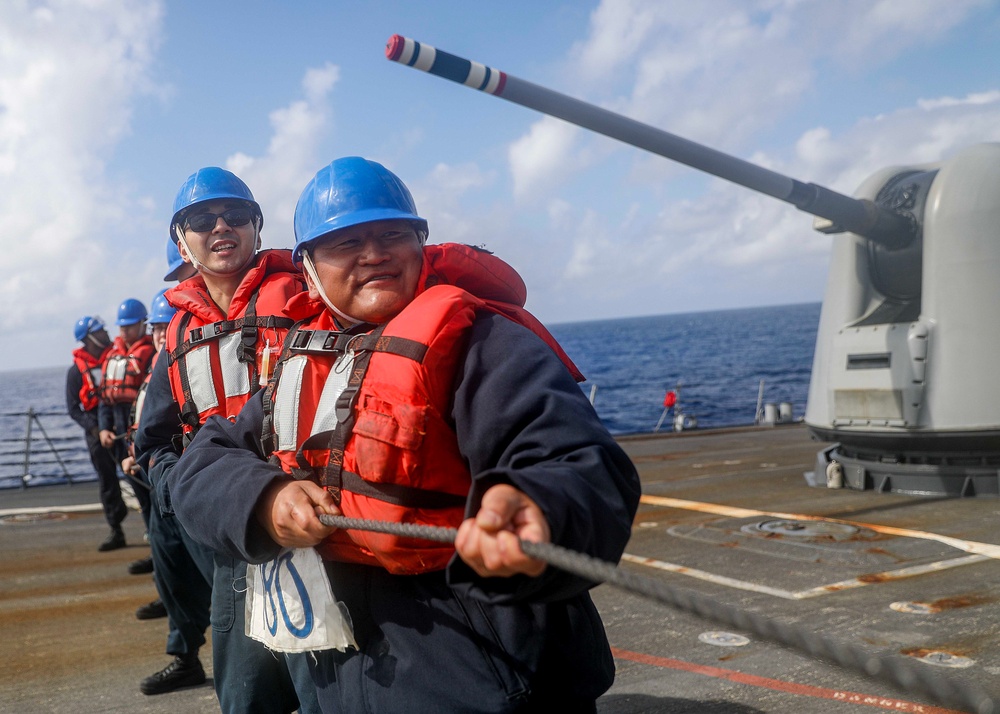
(106, 106)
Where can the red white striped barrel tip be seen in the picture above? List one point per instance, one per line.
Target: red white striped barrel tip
(394, 47)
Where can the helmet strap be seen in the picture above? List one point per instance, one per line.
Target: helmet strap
(310, 269)
(201, 268)
(96, 342)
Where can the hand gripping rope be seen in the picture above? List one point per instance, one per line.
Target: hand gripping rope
(898, 671)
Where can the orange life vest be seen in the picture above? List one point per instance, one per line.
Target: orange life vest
(140, 399)
(366, 413)
(90, 370)
(124, 369)
(215, 360)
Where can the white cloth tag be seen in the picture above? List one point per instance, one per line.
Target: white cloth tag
(291, 607)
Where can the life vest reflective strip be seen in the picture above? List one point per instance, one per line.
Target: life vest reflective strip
(140, 399)
(236, 340)
(214, 366)
(90, 372)
(124, 370)
(378, 438)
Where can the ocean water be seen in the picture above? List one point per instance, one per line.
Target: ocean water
(715, 361)
(718, 359)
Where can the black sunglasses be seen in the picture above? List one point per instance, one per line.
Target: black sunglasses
(234, 217)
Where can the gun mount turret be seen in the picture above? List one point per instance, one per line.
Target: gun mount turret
(902, 375)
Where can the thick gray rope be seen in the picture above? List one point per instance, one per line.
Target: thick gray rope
(898, 671)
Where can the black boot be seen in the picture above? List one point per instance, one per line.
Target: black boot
(184, 671)
(143, 565)
(114, 541)
(151, 611)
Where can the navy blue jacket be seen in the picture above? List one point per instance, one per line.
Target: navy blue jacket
(86, 419)
(158, 438)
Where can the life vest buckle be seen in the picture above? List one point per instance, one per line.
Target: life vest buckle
(345, 403)
(301, 340)
(330, 343)
(248, 338)
(205, 332)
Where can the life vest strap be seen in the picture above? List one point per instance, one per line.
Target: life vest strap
(394, 493)
(247, 325)
(333, 342)
(269, 439)
(399, 495)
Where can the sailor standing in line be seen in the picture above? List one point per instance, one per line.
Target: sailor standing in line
(124, 369)
(182, 569)
(415, 389)
(160, 314)
(219, 348)
(83, 382)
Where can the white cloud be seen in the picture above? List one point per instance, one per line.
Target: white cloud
(870, 32)
(991, 97)
(722, 73)
(278, 177)
(69, 75)
(546, 154)
(441, 199)
(703, 252)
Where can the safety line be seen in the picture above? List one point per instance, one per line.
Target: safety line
(990, 550)
(901, 671)
(839, 695)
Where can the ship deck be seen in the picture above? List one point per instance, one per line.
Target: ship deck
(726, 515)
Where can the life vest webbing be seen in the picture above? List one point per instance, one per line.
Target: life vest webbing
(189, 410)
(233, 355)
(394, 493)
(214, 330)
(269, 439)
(332, 476)
(398, 494)
(330, 341)
(299, 341)
(248, 325)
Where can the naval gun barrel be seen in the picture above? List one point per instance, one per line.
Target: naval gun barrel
(842, 213)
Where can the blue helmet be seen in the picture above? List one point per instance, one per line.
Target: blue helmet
(130, 312)
(160, 310)
(85, 326)
(348, 192)
(210, 184)
(174, 261)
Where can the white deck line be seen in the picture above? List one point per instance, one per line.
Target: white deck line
(811, 592)
(989, 550)
(81, 508)
(979, 551)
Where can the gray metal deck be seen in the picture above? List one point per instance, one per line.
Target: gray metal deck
(725, 513)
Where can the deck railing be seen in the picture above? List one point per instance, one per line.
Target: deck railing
(35, 454)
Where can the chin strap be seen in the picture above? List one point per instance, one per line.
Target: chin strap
(201, 268)
(310, 269)
(96, 342)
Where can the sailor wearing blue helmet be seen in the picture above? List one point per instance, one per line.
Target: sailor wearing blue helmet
(415, 389)
(83, 390)
(218, 349)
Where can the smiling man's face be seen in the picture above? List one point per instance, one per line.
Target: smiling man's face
(223, 249)
(369, 271)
